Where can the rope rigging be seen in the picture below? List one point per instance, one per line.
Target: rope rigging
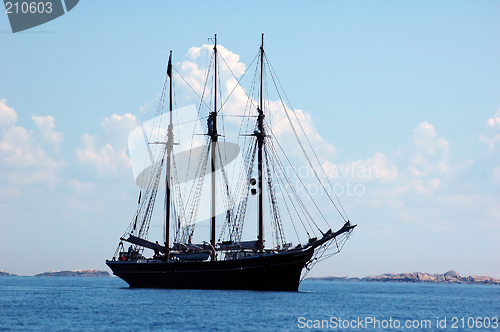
(284, 198)
(310, 145)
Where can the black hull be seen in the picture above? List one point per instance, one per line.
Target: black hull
(275, 272)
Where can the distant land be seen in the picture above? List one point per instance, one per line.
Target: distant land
(77, 273)
(5, 274)
(450, 277)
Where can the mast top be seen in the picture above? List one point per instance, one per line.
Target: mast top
(169, 66)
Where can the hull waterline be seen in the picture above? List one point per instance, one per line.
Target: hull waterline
(270, 272)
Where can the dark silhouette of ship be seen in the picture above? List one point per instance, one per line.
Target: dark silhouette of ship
(228, 263)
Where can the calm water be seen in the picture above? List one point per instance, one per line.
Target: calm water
(106, 304)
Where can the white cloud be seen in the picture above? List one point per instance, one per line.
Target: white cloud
(281, 123)
(422, 169)
(23, 159)
(194, 71)
(427, 139)
(111, 158)
(430, 152)
(197, 54)
(82, 187)
(150, 104)
(7, 114)
(492, 136)
(45, 173)
(117, 128)
(426, 162)
(46, 126)
(430, 191)
(419, 169)
(494, 123)
(424, 187)
(378, 167)
(18, 149)
(496, 174)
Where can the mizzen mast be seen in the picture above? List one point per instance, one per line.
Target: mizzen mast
(260, 144)
(170, 144)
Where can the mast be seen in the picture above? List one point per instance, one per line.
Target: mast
(212, 131)
(170, 144)
(260, 143)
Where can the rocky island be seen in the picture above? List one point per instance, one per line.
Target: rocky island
(5, 274)
(450, 277)
(77, 273)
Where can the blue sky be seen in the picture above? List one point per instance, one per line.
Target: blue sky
(410, 87)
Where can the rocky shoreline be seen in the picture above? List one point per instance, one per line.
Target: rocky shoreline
(77, 273)
(5, 274)
(450, 277)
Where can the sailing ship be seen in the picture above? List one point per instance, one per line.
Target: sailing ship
(226, 261)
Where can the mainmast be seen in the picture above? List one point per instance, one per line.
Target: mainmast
(260, 143)
(212, 132)
(170, 144)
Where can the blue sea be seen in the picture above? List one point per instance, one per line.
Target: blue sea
(107, 304)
